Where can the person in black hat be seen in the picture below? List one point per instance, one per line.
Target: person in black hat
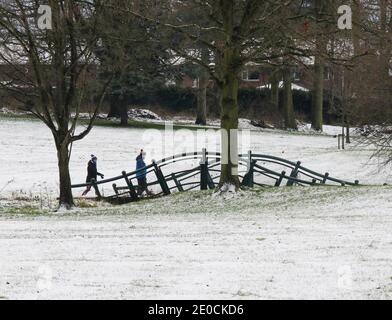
(92, 173)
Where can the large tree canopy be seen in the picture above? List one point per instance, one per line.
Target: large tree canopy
(235, 33)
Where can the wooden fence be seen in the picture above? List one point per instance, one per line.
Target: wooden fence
(254, 170)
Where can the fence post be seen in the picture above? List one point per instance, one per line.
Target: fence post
(161, 179)
(95, 186)
(115, 189)
(248, 180)
(294, 174)
(178, 184)
(341, 145)
(249, 162)
(325, 178)
(210, 181)
(204, 171)
(279, 181)
(132, 191)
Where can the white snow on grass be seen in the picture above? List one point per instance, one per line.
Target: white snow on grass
(286, 243)
(299, 242)
(28, 163)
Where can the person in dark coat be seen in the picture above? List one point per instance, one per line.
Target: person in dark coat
(141, 174)
(92, 173)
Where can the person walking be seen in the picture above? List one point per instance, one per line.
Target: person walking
(92, 173)
(141, 174)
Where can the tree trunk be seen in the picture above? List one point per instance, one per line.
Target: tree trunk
(348, 138)
(288, 107)
(66, 198)
(274, 99)
(318, 95)
(119, 109)
(114, 111)
(228, 94)
(201, 113)
(385, 46)
(123, 112)
(319, 68)
(228, 102)
(229, 66)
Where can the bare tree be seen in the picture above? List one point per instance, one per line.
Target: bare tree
(288, 105)
(236, 32)
(372, 73)
(203, 81)
(52, 70)
(135, 51)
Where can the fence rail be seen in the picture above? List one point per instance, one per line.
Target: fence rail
(206, 174)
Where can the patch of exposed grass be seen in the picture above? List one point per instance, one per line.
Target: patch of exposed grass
(132, 124)
(18, 116)
(284, 199)
(82, 203)
(141, 125)
(24, 210)
(264, 199)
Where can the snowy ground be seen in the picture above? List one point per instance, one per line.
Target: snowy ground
(303, 243)
(28, 162)
(332, 242)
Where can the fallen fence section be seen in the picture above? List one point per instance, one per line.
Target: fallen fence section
(254, 170)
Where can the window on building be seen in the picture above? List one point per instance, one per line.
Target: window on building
(296, 75)
(245, 75)
(306, 3)
(251, 75)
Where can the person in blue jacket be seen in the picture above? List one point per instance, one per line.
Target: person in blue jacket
(141, 174)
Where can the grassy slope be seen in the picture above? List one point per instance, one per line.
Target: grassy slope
(114, 124)
(261, 200)
(161, 126)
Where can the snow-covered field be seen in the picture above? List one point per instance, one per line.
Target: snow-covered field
(303, 243)
(28, 162)
(332, 242)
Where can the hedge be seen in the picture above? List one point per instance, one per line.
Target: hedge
(250, 100)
